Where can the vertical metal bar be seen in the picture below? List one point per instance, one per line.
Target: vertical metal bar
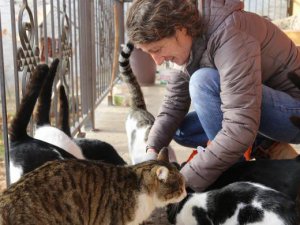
(72, 65)
(96, 48)
(4, 107)
(93, 64)
(76, 59)
(53, 29)
(290, 7)
(59, 29)
(14, 42)
(106, 56)
(36, 31)
(101, 46)
(116, 50)
(53, 55)
(45, 32)
(82, 49)
(87, 57)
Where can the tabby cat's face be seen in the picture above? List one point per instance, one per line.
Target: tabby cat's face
(163, 182)
(171, 185)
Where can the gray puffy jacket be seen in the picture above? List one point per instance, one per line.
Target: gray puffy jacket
(248, 51)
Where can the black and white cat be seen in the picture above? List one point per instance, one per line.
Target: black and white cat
(240, 203)
(27, 153)
(139, 120)
(44, 131)
(81, 148)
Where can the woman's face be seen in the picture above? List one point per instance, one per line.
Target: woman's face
(175, 49)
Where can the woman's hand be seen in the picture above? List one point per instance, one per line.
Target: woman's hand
(151, 154)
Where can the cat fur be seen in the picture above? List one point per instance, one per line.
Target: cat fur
(77, 191)
(25, 152)
(139, 120)
(81, 148)
(240, 203)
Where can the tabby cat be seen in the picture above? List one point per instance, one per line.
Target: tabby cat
(76, 191)
(139, 120)
(240, 203)
(27, 153)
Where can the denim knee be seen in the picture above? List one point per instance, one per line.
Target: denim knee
(204, 80)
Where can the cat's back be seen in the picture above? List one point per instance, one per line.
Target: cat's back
(54, 136)
(99, 150)
(238, 203)
(141, 116)
(71, 191)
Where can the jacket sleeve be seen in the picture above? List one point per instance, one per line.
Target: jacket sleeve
(175, 105)
(237, 57)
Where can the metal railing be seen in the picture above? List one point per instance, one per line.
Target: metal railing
(82, 34)
(272, 9)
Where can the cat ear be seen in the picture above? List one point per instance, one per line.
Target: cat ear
(163, 155)
(162, 173)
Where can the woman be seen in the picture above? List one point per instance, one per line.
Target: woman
(235, 73)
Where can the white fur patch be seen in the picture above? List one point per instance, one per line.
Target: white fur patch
(186, 214)
(15, 172)
(137, 147)
(54, 136)
(145, 206)
(185, 217)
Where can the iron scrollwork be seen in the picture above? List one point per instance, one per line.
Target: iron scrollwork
(28, 55)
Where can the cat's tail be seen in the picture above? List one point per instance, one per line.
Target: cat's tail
(137, 97)
(42, 113)
(18, 126)
(63, 118)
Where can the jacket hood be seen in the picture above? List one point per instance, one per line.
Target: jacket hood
(214, 12)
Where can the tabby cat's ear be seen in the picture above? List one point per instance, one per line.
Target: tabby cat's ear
(162, 173)
(163, 155)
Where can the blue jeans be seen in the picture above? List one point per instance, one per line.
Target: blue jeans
(205, 122)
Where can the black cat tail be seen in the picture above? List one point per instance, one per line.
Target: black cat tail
(17, 129)
(137, 97)
(63, 118)
(42, 113)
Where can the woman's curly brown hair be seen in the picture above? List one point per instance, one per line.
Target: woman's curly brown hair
(152, 20)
